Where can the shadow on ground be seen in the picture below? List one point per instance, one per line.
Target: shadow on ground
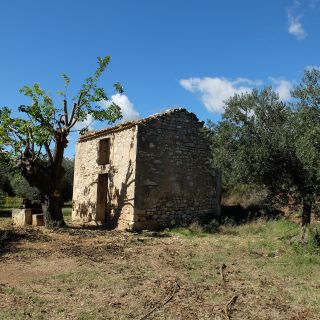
(5, 213)
(10, 238)
(238, 214)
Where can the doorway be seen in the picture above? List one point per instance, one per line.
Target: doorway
(102, 197)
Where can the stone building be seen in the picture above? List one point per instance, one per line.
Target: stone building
(146, 174)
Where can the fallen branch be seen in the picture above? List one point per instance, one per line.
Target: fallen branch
(229, 305)
(175, 289)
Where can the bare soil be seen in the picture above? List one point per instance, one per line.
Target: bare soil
(98, 274)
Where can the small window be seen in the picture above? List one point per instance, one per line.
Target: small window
(104, 152)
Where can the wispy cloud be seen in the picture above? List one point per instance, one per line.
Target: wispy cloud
(295, 26)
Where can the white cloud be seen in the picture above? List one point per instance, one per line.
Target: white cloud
(127, 107)
(283, 88)
(214, 91)
(295, 26)
(248, 81)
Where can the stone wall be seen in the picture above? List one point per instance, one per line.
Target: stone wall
(174, 182)
(159, 174)
(120, 172)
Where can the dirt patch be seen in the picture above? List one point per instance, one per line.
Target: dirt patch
(13, 273)
(100, 274)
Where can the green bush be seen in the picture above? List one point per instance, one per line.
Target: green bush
(10, 202)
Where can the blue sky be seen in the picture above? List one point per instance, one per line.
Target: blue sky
(165, 53)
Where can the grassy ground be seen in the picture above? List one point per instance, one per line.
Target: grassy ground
(180, 274)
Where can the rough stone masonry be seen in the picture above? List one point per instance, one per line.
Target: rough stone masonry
(146, 174)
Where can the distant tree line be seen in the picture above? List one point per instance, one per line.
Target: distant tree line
(12, 183)
(274, 144)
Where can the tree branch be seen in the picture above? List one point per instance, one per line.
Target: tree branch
(75, 110)
(38, 117)
(38, 153)
(49, 154)
(65, 108)
(17, 133)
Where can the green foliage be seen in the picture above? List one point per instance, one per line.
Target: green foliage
(12, 183)
(262, 140)
(90, 95)
(43, 121)
(3, 175)
(67, 181)
(251, 136)
(10, 202)
(22, 189)
(197, 229)
(35, 141)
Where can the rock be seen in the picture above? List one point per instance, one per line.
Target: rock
(38, 220)
(21, 217)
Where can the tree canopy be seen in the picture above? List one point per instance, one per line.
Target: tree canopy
(35, 141)
(263, 140)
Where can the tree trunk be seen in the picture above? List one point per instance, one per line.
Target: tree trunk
(47, 177)
(305, 219)
(306, 213)
(52, 210)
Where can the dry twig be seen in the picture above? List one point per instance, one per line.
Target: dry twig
(175, 289)
(229, 305)
(222, 275)
(34, 290)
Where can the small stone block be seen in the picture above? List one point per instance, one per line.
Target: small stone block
(21, 217)
(38, 220)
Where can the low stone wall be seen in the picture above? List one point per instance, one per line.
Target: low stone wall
(25, 217)
(22, 217)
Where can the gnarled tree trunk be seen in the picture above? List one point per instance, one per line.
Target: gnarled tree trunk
(305, 218)
(52, 210)
(47, 179)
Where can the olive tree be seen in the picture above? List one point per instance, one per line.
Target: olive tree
(262, 140)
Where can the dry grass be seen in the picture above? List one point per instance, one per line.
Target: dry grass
(246, 195)
(98, 274)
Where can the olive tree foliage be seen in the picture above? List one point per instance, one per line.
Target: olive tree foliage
(252, 139)
(3, 175)
(67, 181)
(262, 140)
(12, 183)
(21, 188)
(307, 137)
(36, 140)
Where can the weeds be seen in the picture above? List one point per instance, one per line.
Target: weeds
(123, 275)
